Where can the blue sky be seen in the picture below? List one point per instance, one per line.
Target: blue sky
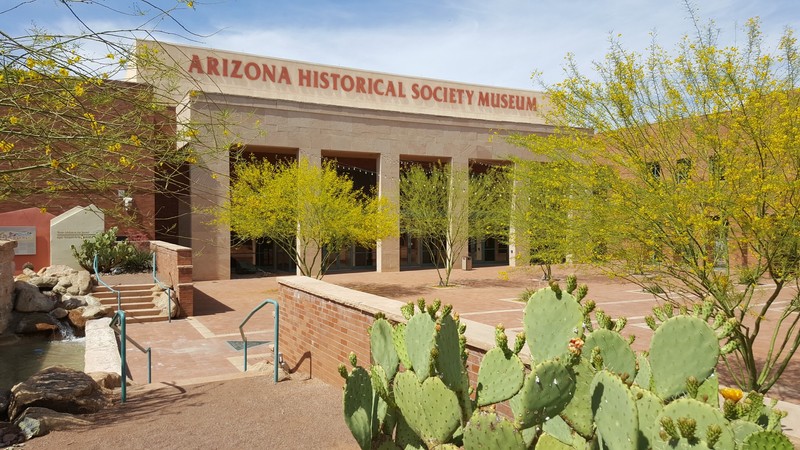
(498, 43)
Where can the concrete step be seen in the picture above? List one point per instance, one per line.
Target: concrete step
(132, 306)
(146, 318)
(136, 293)
(125, 287)
(132, 299)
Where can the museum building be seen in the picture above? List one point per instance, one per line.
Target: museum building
(371, 124)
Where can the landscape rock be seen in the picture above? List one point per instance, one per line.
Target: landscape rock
(162, 302)
(76, 319)
(43, 282)
(36, 421)
(30, 299)
(58, 388)
(266, 366)
(36, 323)
(59, 313)
(5, 397)
(72, 301)
(108, 380)
(10, 434)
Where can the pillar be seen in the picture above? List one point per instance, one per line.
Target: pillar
(459, 210)
(388, 250)
(314, 158)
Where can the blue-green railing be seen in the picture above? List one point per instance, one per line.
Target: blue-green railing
(118, 324)
(276, 357)
(164, 287)
(100, 280)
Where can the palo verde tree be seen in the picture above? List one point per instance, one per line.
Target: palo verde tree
(445, 208)
(311, 212)
(71, 127)
(701, 153)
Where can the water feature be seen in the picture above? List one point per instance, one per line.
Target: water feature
(22, 356)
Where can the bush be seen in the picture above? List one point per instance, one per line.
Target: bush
(111, 254)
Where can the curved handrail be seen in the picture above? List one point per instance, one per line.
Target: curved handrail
(164, 287)
(119, 318)
(276, 357)
(100, 280)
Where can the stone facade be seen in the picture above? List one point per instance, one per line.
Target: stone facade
(6, 282)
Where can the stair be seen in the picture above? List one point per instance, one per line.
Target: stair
(136, 301)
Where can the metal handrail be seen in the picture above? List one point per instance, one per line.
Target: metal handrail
(276, 356)
(100, 280)
(119, 318)
(164, 287)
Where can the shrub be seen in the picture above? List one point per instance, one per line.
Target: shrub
(111, 254)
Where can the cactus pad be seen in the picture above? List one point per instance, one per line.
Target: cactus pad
(648, 408)
(429, 408)
(359, 407)
(644, 376)
(487, 430)
(615, 351)
(382, 347)
(420, 342)
(767, 440)
(546, 392)
(578, 413)
(672, 364)
(399, 340)
(704, 415)
(548, 442)
(742, 429)
(500, 377)
(615, 413)
(550, 321)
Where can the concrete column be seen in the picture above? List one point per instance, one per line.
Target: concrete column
(314, 158)
(459, 209)
(388, 250)
(519, 249)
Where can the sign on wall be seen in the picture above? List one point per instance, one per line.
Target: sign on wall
(25, 237)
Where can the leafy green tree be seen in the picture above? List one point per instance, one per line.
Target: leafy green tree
(310, 212)
(700, 155)
(69, 127)
(444, 208)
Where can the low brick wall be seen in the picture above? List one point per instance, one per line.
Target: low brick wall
(321, 323)
(174, 268)
(6, 282)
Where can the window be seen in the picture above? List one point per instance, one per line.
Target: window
(654, 168)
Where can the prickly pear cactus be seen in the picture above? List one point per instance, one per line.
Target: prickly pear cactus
(501, 374)
(615, 351)
(382, 347)
(767, 440)
(648, 408)
(360, 407)
(615, 413)
(546, 392)
(487, 430)
(693, 421)
(551, 319)
(672, 364)
(578, 413)
(429, 408)
(420, 337)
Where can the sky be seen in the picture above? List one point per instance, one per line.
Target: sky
(494, 43)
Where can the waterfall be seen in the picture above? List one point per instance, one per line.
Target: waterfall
(66, 331)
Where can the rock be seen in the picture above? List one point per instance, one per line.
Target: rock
(71, 301)
(76, 319)
(161, 301)
(91, 300)
(36, 323)
(5, 397)
(43, 282)
(58, 271)
(36, 421)
(58, 388)
(10, 434)
(59, 313)
(266, 366)
(30, 299)
(108, 380)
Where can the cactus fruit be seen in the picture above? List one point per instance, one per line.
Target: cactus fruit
(673, 364)
(767, 440)
(487, 430)
(500, 377)
(382, 347)
(550, 322)
(615, 414)
(359, 407)
(429, 408)
(546, 392)
(706, 418)
(420, 343)
(615, 351)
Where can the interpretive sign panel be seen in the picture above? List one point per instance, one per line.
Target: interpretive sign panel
(25, 237)
(72, 228)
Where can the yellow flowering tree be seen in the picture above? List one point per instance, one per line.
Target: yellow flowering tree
(70, 127)
(310, 212)
(694, 170)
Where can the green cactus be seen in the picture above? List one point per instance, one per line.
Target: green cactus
(767, 440)
(672, 364)
(550, 321)
(549, 442)
(706, 418)
(644, 375)
(648, 408)
(742, 429)
(399, 340)
(420, 344)
(500, 377)
(360, 407)
(546, 392)
(429, 408)
(450, 364)
(615, 413)
(382, 348)
(578, 413)
(487, 430)
(615, 351)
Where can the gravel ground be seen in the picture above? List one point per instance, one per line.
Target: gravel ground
(240, 413)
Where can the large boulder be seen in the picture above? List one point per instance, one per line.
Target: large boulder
(74, 283)
(10, 434)
(58, 388)
(161, 301)
(71, 301)
(36, 421)
(36, 323)
(5, 398)
(30, 299)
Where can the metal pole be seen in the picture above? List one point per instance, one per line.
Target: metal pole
(123, 368)
(276, 357)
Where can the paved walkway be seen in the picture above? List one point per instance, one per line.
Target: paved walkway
(200, 348)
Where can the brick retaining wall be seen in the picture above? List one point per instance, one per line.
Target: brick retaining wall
(174, 268)
(322, 323)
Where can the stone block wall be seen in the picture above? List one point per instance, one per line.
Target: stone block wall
(6, 282)
(174, 268)
(321, 323)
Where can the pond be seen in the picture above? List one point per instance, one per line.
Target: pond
(21, 357)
